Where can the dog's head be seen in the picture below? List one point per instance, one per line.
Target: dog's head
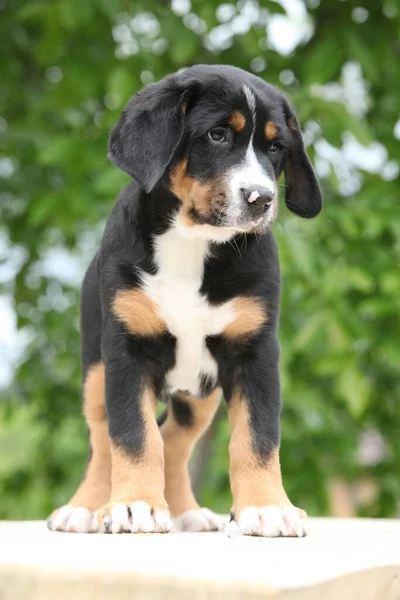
(218, 138)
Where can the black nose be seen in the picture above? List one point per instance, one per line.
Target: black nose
(258, 200)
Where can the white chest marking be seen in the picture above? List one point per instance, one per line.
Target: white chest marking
(189, 316)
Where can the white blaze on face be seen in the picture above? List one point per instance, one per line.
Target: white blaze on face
(249, 174)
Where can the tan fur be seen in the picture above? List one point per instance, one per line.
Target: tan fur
(271, 131)
(205, 198)
(292, 124)
(250, 315)
(181, 184)
(178, 446)
(141, 477)
(186, 220)
(238, 121)
(252, 482)
(138, 313)
(94, 490)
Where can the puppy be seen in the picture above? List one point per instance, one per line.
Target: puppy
(181, 303)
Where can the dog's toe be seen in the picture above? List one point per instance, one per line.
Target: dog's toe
(270, 521)
(201, 519)
(136, 517)
(72, 519)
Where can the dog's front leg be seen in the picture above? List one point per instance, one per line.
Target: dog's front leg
(260, 504)
(137, 502)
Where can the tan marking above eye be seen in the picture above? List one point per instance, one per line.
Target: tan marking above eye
(250, 316)
(138, 313)
(271, 131)
(237, 120)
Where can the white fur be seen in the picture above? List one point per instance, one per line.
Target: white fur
(180, 256)
(251, 101)
(268, 521)
(201, 519)
(73, 519)
(139, 520)
(248, 175)
(218, 235)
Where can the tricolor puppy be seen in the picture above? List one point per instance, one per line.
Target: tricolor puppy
(181, 303)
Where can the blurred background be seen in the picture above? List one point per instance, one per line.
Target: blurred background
(67, 67)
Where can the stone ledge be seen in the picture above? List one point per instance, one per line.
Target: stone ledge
(340, 559)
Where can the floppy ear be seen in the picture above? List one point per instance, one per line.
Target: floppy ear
(145, 139)
(303, 194)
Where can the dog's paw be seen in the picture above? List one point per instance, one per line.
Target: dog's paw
(137, 517)
(201, 519)
(72, 519)
(270, 521)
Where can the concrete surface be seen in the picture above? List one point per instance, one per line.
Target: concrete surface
(340, 560)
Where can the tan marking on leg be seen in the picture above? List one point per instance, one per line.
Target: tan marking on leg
(140, 477)
(205, 198)
(238, 121)
(138, 313)
(250, 316)
(252, 483)
(271, 131)
(94, 490)
(178, 446)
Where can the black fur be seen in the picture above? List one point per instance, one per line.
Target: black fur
(207, 385)
(303, 196)
(182, 412)
(150, 133)
(160, 126)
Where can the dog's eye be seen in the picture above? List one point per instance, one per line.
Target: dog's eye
(274, 147)
(218, 135)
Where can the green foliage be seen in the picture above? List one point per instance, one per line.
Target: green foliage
(64, 79)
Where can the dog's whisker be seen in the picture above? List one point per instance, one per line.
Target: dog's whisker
(234, 245)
